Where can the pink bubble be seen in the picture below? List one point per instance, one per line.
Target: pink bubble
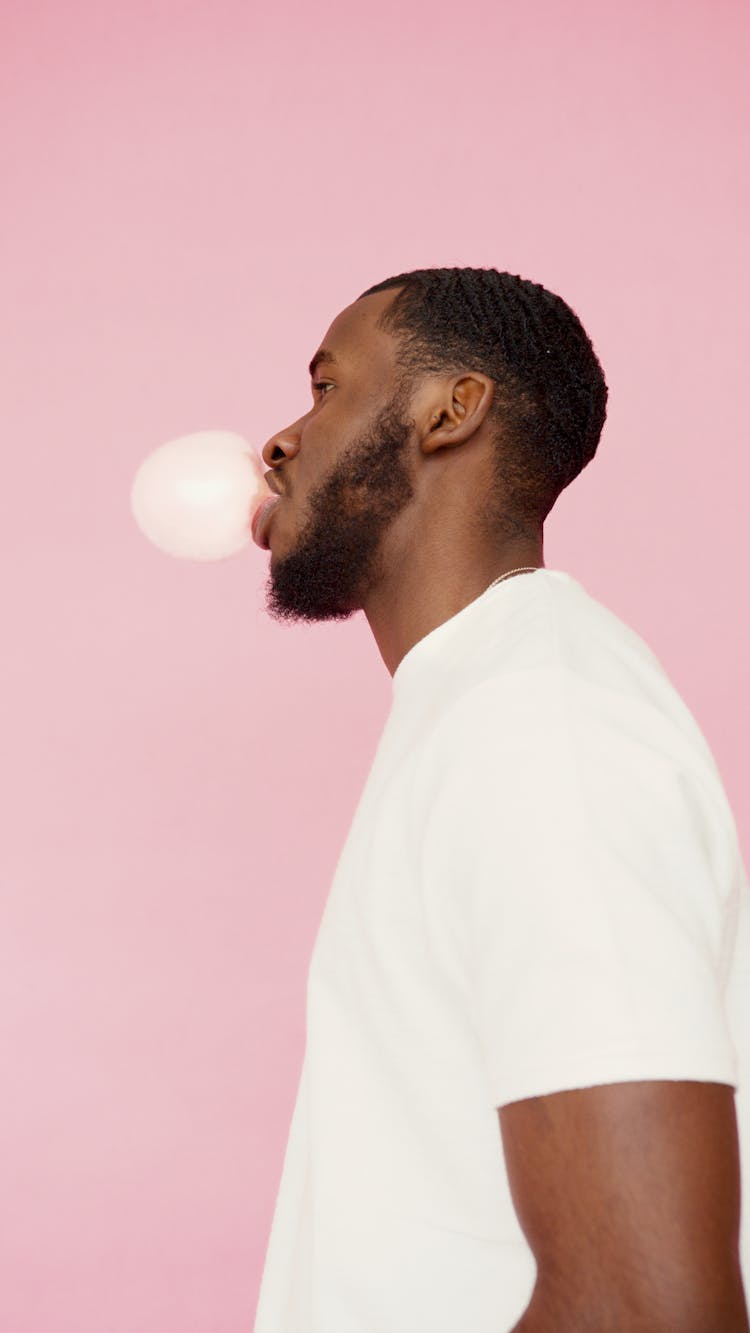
(195, 496)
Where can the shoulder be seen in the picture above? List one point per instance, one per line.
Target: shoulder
(617, 764)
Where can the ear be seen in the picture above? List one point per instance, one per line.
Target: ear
(454, 410)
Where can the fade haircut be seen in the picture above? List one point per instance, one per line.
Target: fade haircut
(550, 396)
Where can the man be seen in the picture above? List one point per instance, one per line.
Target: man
(522, 1101)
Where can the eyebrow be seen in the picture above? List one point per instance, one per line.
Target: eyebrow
(322, 355)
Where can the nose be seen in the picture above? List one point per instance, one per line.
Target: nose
(281, 447)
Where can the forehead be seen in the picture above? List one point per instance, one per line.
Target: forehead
(352, 337)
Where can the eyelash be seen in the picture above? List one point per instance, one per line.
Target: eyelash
(322, 384)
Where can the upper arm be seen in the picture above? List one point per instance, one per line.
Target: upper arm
(629, 1196)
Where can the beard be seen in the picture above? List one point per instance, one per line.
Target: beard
(337, 558)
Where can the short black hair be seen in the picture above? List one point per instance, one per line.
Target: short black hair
(550, 397)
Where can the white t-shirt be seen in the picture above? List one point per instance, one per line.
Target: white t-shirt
(541, 889)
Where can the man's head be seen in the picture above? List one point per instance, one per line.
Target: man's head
(458, 405)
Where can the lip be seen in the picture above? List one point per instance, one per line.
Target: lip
(272, 482)
(261, 520)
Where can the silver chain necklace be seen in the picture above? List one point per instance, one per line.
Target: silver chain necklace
(524, 569)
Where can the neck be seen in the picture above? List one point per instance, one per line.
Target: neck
(414, 600)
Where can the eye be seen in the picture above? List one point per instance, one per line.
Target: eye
(322, 384)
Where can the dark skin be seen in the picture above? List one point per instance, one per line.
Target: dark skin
(627, 1193)
(386, 494)
(629, 1196)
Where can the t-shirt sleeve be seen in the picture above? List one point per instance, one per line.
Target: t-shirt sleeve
(584, 869)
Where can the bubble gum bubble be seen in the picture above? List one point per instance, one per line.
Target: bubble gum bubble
(195, 496)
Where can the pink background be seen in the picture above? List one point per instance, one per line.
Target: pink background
(196, 192)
